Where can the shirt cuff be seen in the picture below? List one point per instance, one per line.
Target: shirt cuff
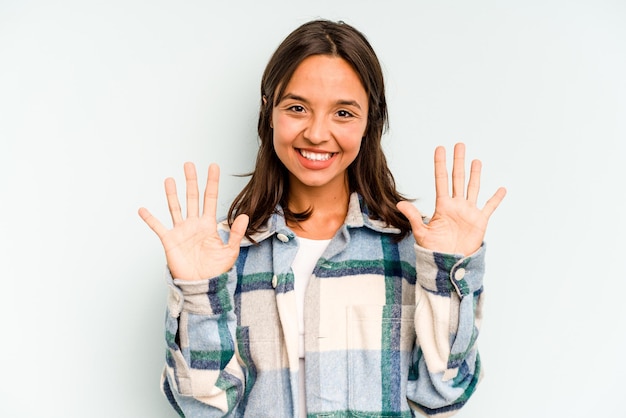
(202, 297)
(444, 273)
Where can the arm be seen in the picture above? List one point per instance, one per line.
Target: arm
(450, 267)
(202, 377)
(447, 320)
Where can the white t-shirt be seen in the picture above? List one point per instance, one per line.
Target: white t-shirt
(309, 252)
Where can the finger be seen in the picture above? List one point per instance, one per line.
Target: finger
(413, 215)
(152, 222)
(172, 200)
(441, 173)
(211, 192)
(473, 185)
(458, 170)
(193, 201)
(494, 201)
(238, 230)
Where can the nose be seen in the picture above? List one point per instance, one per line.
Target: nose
(317, 130)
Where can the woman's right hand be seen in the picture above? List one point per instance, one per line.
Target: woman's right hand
(193, 248)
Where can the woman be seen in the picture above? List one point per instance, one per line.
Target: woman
(324, 292)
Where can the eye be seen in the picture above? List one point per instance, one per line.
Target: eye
(296, 108)
(344, 114)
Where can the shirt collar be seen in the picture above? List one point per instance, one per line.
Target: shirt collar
(357, 217)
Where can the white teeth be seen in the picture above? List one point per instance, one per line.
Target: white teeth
(316, 156)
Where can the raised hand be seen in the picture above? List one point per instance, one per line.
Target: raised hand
(458, 225)
(193, 248)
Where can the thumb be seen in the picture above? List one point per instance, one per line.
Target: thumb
(412, 214)
(238, 230)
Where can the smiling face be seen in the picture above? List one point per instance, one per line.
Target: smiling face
(319, 123)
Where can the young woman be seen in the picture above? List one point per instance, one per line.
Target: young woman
(323, 293)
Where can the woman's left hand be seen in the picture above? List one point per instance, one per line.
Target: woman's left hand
(458, 226)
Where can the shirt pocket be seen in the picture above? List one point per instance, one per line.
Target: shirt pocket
(380, 341)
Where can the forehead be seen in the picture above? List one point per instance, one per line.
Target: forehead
(326, 75)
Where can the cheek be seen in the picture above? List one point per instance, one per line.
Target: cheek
(281, 142)
(356, 145)
(283, 131)
(353, 139)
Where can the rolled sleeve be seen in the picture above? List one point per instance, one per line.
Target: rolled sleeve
(442, 273)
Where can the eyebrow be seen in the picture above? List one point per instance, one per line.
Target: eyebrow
(302, 99)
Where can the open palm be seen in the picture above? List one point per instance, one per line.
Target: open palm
(458, 225)
(193, 247)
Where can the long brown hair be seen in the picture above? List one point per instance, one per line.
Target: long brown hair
(368, 174)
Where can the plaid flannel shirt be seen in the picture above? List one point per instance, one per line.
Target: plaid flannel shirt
(390, 329)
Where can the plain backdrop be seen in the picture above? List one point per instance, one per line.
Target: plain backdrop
(102, 100)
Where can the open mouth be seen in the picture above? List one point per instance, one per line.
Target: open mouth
(316, 156)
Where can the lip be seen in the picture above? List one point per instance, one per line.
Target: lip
(317, 159)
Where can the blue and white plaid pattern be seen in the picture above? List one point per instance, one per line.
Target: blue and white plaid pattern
(390, 329)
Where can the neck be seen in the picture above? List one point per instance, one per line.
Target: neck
(329, 207)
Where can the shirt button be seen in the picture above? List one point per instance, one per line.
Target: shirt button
(459, 274)
(274, 281)
(282, 237)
